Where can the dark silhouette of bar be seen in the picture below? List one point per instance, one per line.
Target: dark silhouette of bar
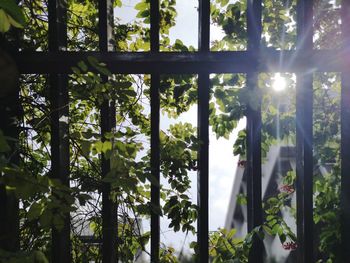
(61, 244)
(203, 135)
(254, 196)
(304, 136)
(108, 123)
(155, 148)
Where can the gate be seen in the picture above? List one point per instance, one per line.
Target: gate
(57, 62)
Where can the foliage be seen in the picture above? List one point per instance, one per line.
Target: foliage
(45, 200)
(10, 15)
(226, 248)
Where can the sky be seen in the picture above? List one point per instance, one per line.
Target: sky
(222, 163)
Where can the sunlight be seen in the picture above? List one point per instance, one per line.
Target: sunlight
(279, 82)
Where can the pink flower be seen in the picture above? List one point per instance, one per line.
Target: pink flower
(242, 163)
(286, 188)
(290, 245)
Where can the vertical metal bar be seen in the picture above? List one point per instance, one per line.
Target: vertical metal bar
(345, 134)
(105, 25)
(61, 245)
(254, 198)
(57, 25)
(108, 112)
(10, 111)
(203, 171)
(9, 115)
(60, 159)
(155, 149)
(203, 135)
(204, 26)
(304, 136)
(155, 163)
(155, 19)
(254, 194)
(109, 208)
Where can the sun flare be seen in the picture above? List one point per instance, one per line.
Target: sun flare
(279, 82)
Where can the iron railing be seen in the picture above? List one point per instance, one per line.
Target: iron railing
(303, 61)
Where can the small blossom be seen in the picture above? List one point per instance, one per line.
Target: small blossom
(290, 245)
(242, 163)
(289, 189)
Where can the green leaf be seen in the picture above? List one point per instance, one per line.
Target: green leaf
(4, 22)
(98, 146)
(156, 209)
(152, 179)
(231, 233)
(39, 257)
(85, 147)
(141, 6)
(14, 23)
(45, 218)
(282, 237)
(101, 67)
(107, 146)
(143, 14)
(224, 2)
(83, 66)
(117, 3)
(241, 199)
(4, 146)
(267, 230)
(13, 10)
(76, 70)
(34, 211)
(83, 198)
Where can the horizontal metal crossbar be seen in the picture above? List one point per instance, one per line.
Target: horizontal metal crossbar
(176, 62)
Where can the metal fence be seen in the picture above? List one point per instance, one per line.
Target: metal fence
(58, 62)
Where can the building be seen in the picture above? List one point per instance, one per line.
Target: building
(279, 160)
